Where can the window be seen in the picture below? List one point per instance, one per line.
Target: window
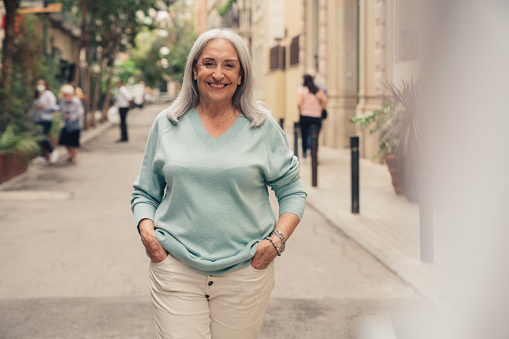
(277, 58)
(294, 51)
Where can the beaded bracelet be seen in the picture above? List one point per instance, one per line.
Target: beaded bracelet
(283, 239)
(275, 246)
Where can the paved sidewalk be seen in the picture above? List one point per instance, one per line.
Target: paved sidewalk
(387, 225)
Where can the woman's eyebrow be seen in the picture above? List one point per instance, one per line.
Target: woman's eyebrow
(223, 60)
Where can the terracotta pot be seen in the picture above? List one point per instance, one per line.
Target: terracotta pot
(11, 165)
(396, 175)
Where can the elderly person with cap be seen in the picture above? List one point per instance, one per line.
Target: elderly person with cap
(201, 200)
(72, 111)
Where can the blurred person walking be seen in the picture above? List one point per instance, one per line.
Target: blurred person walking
(42, 115)
(123, 102)
(321, 86)
(311, 102)
(72, 111)
(201, 199)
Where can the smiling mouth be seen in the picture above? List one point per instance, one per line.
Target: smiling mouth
(217, 85)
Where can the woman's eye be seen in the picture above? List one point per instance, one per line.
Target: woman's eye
(229, 66)
(209, 64)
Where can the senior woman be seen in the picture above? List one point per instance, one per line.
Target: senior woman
(72, 111)
(201, 198)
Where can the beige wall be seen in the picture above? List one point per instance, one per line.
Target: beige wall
(66, 44)
(274, 93)
(213, 18)
(369, 91)
(293, 75)
(293, 81)
(274, 80)
(200, 16)
(281, 85)
(333, 23)
(258, 48)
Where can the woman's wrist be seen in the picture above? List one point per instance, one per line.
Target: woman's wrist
(280, 238)
(278, 251)
(278, 241)
(147, 230)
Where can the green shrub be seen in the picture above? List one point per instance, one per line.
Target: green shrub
(24, 143)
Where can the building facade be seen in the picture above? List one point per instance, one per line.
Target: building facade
(355, 46)
(62, 37)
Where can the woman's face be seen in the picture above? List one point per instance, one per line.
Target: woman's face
(68, 97)
(41, 86)
(217, 72)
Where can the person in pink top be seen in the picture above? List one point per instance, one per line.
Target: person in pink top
(311, 102)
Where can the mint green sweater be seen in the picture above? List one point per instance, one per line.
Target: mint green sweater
(209, 197)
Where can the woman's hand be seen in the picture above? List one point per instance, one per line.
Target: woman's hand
(265, 254)
(156, 252)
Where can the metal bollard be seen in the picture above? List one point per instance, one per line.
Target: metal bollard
(314, 155)
(282, 123)
(354, 146)
(426, 214)
(296, 138)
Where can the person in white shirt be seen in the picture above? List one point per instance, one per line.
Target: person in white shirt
(41, 115)
(123, 102)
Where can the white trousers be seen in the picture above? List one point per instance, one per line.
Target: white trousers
(193, 305)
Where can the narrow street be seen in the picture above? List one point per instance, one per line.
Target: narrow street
(72, 264)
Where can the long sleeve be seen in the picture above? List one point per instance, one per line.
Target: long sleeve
(49, 103)
(284, 178)
(208, 196)
(78, 110)
(72, 113)
(150, 184)
(125, 92)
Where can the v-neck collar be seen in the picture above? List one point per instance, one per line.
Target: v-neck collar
(201, 132)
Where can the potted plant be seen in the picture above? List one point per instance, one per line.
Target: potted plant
(398, 128)
(16, 150)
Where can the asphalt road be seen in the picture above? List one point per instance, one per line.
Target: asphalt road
(72, 265)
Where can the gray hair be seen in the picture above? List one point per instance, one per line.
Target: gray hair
(67, 89)
(243, 98)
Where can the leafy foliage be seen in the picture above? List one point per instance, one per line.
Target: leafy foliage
(224, 8)
(31, 64)
(397, 123)
(398, 128)
(179, 38)
(15, 141)
(375, 119)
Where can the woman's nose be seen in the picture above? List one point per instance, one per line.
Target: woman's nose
(218, 74)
